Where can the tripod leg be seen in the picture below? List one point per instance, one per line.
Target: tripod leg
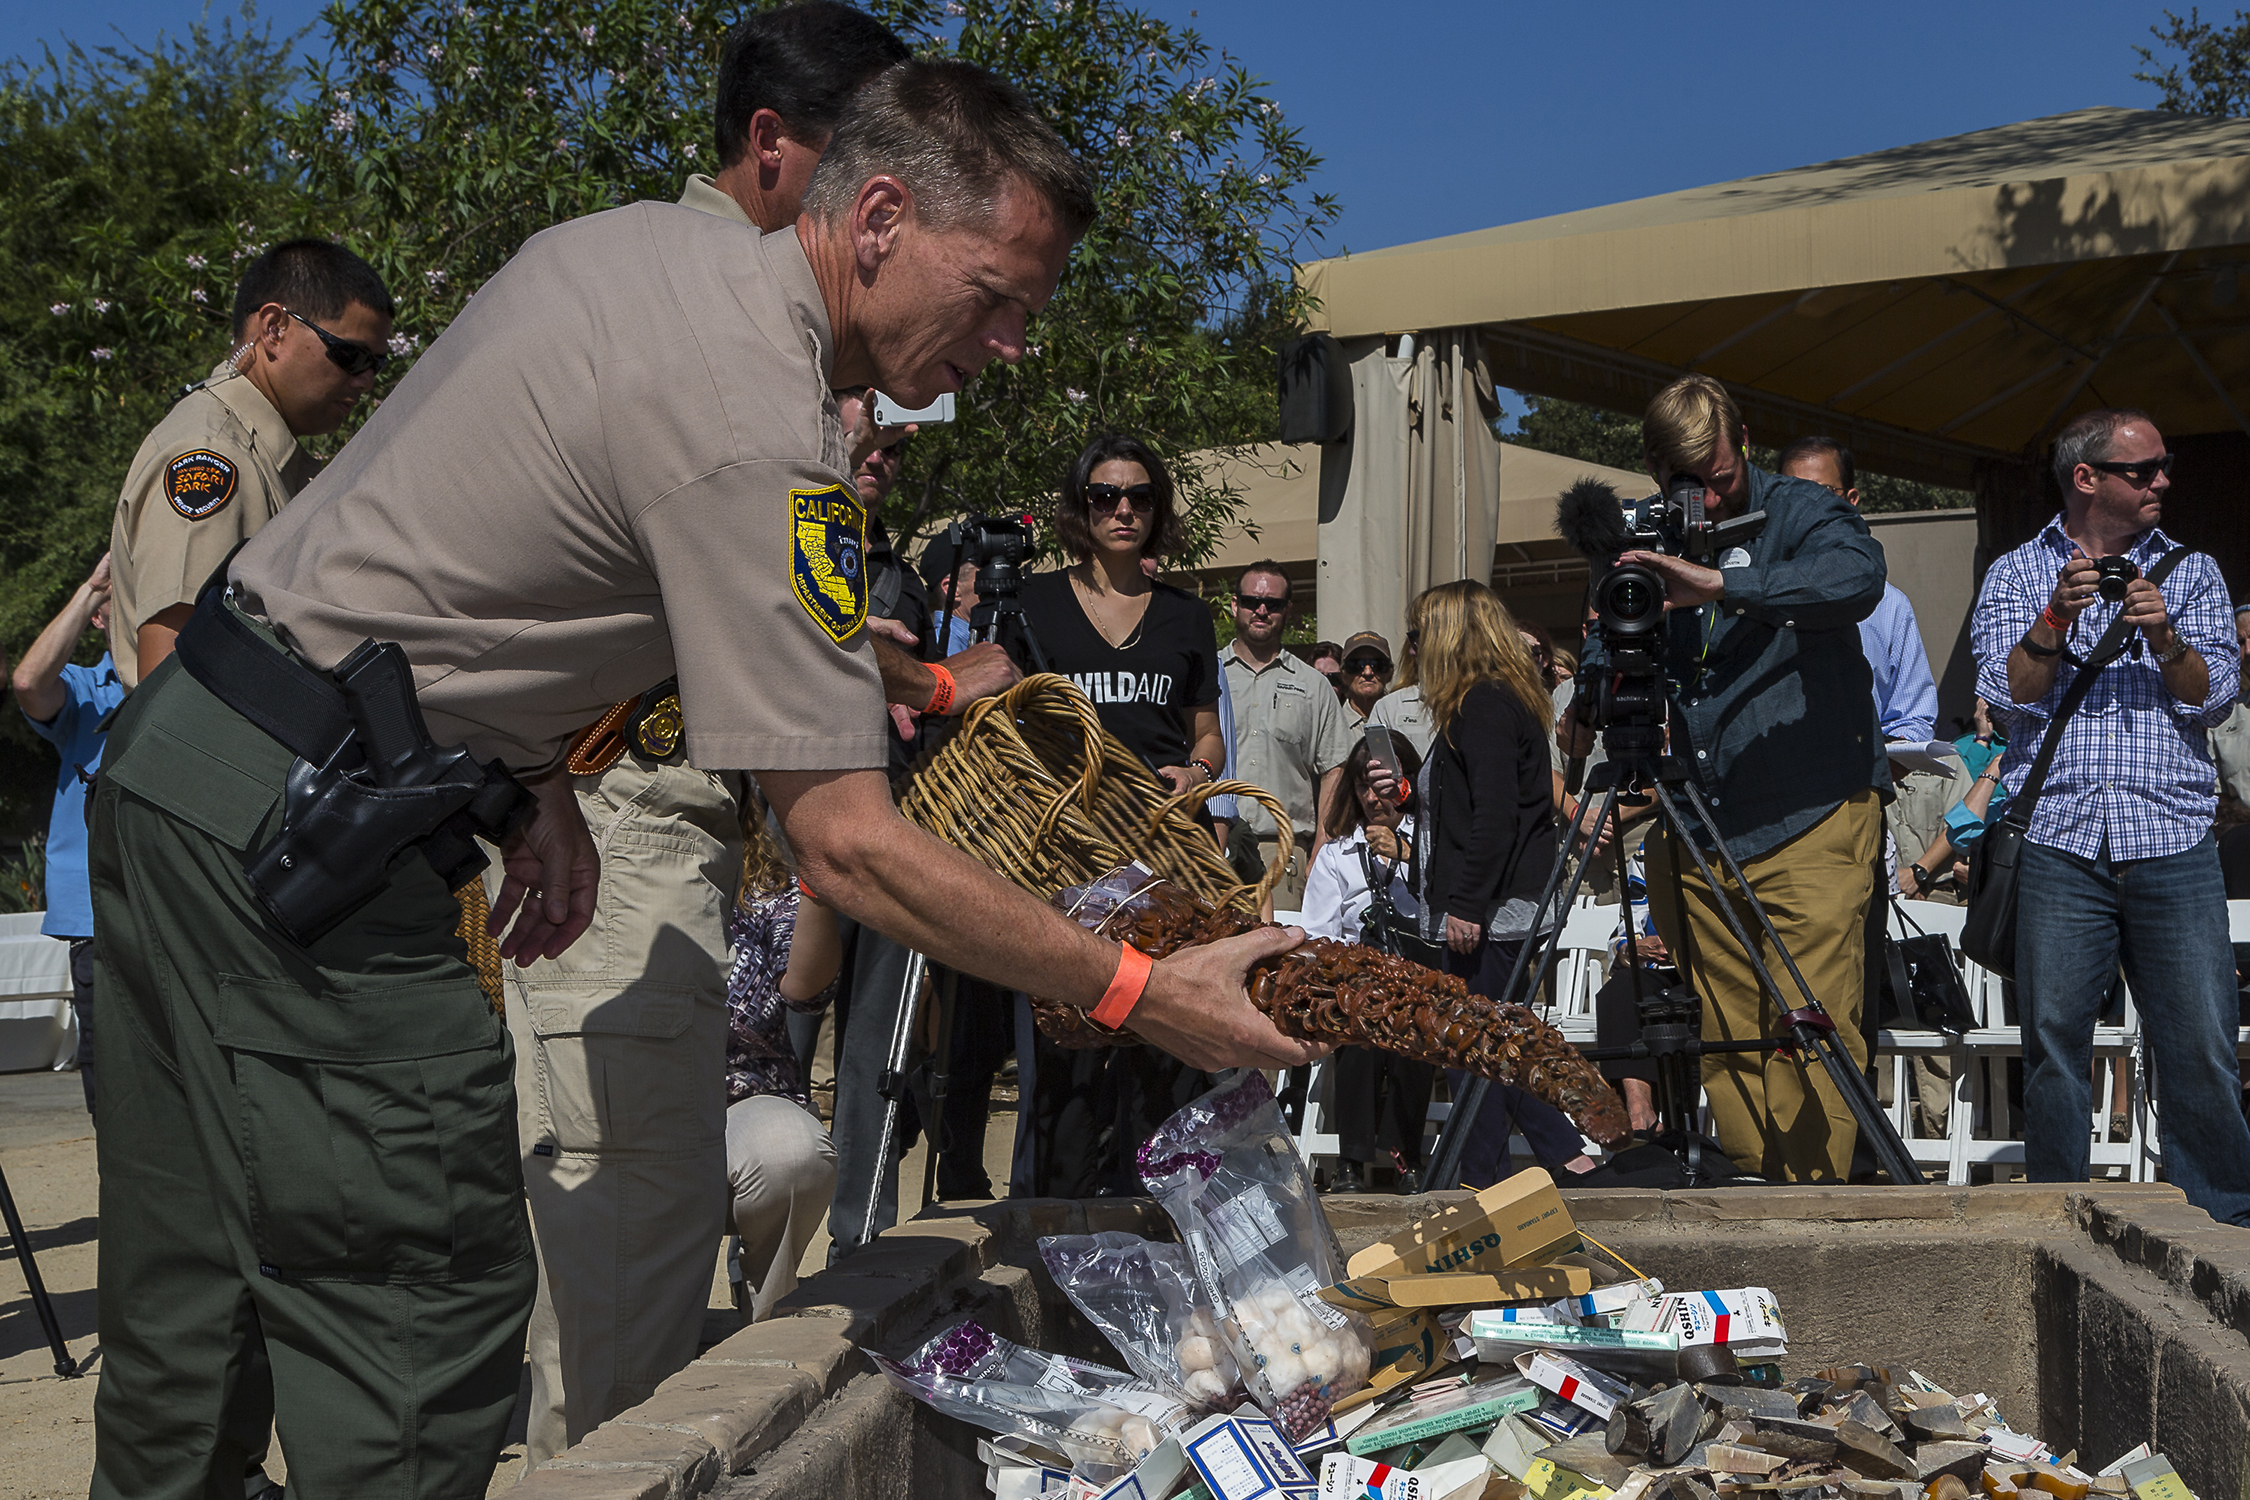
(892, 1086)
(41, 1303)
(1850, 1084)
(1445, 1158)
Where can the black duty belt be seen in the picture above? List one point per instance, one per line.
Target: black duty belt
(367, 783)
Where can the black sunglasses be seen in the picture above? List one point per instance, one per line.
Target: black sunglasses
(1414, 637)
(351, 358)
(1261, 603)
(2140, 474)
(1359, 664)
(1104, 497)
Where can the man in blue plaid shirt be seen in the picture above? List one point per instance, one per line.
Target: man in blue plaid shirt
(2119, 862)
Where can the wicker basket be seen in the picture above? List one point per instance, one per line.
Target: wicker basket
(1034, 787)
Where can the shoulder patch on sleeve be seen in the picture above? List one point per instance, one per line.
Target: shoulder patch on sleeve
(199, 483)
(828, 540)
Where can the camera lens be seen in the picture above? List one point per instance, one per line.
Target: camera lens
(1631, 598)
(2112, 575)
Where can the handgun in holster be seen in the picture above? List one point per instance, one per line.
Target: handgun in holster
(387, 787)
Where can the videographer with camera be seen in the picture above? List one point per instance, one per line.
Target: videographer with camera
(1770, 705)
(1147, 655)
(2118, 862)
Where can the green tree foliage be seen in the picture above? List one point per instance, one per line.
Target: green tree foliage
(2210, 74)
(132, 184)
(1593, 435)
(455, 131)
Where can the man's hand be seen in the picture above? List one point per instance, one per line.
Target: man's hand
(2144, 607)
(1573, 735)
(98, 582)
(1179, 778)
(2077, 584)
(979, 672)
(1461, 935)
(1195, 1006)
(1686, 584)
(866, 437)
(1595, 837)
(553, 870)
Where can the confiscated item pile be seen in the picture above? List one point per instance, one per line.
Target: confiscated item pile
(1344, 992)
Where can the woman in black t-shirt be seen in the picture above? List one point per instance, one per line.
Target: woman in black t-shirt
(1144, 651)
(1146, 654)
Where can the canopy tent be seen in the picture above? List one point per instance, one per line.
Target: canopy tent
(1936, 306)
(1279, 486)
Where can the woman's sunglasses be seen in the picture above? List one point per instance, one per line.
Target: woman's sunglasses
(351, 358)
(1103, 498)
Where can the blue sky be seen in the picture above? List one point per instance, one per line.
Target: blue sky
(1448, 115)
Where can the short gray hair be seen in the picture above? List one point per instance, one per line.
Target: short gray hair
(2088, 439)
(958, 137)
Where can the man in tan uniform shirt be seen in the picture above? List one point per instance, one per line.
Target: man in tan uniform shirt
(225, 459)
(620, 463)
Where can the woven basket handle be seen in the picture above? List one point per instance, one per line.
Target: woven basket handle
(1191, 802)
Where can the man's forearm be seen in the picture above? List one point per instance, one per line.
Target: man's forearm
(1330, 785)
(875, 867)
(905, 680)
(38, 677)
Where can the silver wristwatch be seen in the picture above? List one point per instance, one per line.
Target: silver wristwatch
(2179, 649)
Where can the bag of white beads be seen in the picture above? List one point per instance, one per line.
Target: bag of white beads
(1227, 1171)
(1104, 1421)
(1144, 1296)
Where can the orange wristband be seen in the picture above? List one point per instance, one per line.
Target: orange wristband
(806, 889)
(941, 693)
(1125, 987)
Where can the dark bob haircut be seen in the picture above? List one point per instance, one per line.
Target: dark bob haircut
(803, 62)
(1165, 536)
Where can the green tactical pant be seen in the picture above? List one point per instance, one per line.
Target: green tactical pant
(312, 1149)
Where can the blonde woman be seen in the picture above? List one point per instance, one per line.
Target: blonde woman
(1486, 835)
(781, 1165)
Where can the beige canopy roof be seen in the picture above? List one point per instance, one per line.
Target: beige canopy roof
(1280, 488)
(1930, 305)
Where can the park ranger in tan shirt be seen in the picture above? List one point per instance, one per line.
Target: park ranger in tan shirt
(312, 323)
(622, 461)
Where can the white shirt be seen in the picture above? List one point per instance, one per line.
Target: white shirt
(1336, 893)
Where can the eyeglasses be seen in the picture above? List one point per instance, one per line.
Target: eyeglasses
(1254, 604)
(1359, 666)
(1103, 498)
(2139, 475)
(1414, 637)
(351, 358)
(1335, 679)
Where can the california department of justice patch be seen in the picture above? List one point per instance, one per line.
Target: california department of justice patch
(828, 535)
(199, 483)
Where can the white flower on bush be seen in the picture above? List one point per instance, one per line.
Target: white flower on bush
(688, 151)
(343, 96)
(196, 262)
(585, 33)
(200, 295)
(342, 121)
(102, 355)
(58, 308)
(474, 72)
(1076, 395)
(434, 276)
(102, 304)
(403, 344)
(1124, 137)
(433, 52)
(955, 8)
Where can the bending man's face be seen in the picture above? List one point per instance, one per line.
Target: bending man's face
(1726, 474)
(947, 302)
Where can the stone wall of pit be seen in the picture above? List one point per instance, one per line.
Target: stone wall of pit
(2099, 1316)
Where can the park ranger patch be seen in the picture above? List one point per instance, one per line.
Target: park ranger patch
(199, 483)
(828, 535)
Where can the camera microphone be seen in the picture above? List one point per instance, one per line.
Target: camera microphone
(1591, 517)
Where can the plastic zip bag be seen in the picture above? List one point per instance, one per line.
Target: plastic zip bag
(1227, 1171)
(1103, 1420)
(1145, 1297)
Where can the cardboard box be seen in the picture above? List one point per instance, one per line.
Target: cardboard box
(1245, 1457)
(1409, 1344)
(1576, 1383)
(1343, 1477)
(1460, 1288)
(1508, 1224)
(1467, 1406)
(1155, 1477)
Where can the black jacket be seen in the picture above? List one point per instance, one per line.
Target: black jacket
(1492, 806)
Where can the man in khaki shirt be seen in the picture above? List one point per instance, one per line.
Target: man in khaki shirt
(621, 462)
(1290, 735)
(312, 325)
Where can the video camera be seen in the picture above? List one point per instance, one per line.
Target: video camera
(1628, 598)
(998, 545)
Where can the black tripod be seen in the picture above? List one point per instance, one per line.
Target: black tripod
(41, 1303)
(908, 1071)
(1637, 763)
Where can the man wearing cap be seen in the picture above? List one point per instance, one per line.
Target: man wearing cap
(1367, 674)
(556, 508)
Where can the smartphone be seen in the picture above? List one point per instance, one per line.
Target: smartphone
(889, 413)
(1381, 752)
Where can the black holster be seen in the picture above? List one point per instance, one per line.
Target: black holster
(367, 782)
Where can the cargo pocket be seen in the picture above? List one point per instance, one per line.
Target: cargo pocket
(377, 1126)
